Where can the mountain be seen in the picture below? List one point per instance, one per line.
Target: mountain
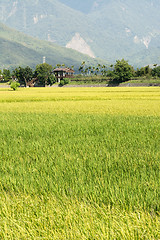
(108, 29)
(82, 6)
(20, 49)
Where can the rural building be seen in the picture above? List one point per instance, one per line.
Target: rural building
(61, 73)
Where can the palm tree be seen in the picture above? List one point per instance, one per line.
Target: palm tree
(81, 68)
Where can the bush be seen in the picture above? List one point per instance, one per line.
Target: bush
(64, 82)
(15, 85)
(61, 83)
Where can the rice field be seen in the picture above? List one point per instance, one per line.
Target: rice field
(80, 163)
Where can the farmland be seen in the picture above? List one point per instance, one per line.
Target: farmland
(80, 163)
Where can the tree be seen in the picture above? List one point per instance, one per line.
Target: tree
(24, 75)
(1, 75)
(156, 72)
(81, 68)
(147, 70)
(6, 75)
(103, 70)
(122, 71)
(44, 74)
(72, 67)
(15, 85)
(143, 71)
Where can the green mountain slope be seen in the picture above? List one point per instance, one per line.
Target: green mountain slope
(20, 49)
(112, 29)
(14, 54)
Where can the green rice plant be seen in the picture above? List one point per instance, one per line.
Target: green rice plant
(32, 217)
(79, 163)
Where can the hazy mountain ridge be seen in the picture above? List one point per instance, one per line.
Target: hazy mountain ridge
(112, 29)
(19, 49)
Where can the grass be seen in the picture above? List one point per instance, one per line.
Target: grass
(87, 82)
(79, 163)
(4, 84)
(80, 80)
(144, 80)
(94, 80)
(100, 80)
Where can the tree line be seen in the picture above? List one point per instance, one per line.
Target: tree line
(120, 72)
(43, 73)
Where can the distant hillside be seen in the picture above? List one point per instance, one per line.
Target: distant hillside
(108, 29)
(82, 6)
(20, 49)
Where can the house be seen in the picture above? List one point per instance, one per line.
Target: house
(61, 73)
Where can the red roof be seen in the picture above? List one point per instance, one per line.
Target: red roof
(63, 70)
